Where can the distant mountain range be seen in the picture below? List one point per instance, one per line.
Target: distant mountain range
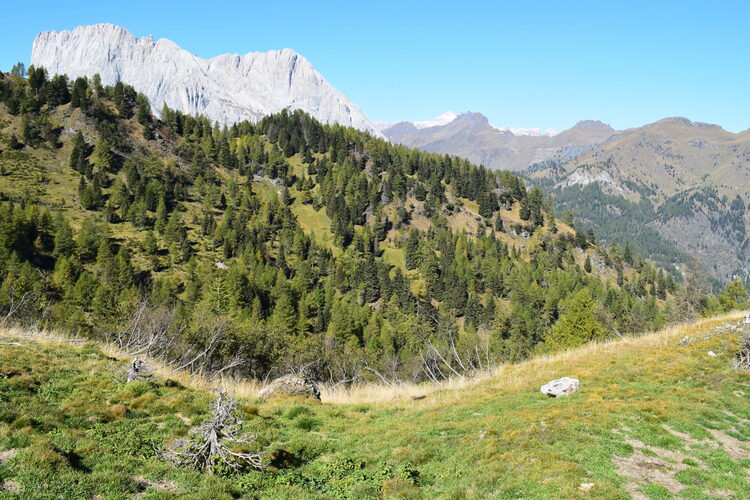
(226, 88)
(472, 136)
(688, 181)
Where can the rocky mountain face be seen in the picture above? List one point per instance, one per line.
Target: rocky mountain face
(227, 88)
(472, 136)
(689, 182)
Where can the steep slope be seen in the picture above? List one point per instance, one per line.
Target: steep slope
(471, 136)
(655, 417)
(690, 182)
(226, 88)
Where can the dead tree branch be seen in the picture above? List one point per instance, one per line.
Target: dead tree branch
(210, 444)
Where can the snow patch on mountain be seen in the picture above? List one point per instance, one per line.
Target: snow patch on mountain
(438, 121)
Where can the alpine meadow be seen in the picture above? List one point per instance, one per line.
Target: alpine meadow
(220, 279)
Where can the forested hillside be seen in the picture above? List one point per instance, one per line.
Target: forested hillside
(288, 244)
(675, 190)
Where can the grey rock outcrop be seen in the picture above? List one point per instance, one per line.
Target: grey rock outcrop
(561, 387)
(290, 385)
(227, 88)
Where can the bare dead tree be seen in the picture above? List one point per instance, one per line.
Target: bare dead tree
(14, 305)
(442, 358)
(151, 331)
(210, 444)
(382, 378)
(156, 332)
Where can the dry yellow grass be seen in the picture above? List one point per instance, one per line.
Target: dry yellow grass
(509, 376)
(513, 375)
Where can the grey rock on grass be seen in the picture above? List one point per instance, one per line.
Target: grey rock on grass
(290, 385)
(561, 387)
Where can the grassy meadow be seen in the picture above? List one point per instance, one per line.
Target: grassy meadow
(653, 419)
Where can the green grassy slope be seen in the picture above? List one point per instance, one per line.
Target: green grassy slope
(652, 419)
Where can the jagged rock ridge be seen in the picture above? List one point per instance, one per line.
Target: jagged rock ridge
(227, 88)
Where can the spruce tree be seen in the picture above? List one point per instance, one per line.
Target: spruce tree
(411, 250)
(499, 226)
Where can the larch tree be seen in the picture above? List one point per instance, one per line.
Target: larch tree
(577, 325)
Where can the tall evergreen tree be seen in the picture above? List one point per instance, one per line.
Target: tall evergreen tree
(577, 325)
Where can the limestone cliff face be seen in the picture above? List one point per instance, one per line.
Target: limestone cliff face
(226, 88)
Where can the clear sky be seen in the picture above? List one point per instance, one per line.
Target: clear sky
(524, 64)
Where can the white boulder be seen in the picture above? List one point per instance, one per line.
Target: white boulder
(561, 387)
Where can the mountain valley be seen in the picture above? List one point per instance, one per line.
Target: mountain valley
(219, 279)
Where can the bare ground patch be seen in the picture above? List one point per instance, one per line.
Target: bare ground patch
(11, 487)
(720, 494)
(741, 420)
(659, 466)
(160, 485)
(689, 440)
(736, 449)
(645, 469)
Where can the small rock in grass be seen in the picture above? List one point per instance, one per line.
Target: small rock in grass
(561, 387)
(7, 455)
(712, 354)
(290, 385)
(686, 340)
(11, 487)
(586, 486)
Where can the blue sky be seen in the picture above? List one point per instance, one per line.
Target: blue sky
(525, 64)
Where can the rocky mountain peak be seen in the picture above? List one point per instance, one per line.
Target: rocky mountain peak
(591, 125)
(228, 88)
(473, 117)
